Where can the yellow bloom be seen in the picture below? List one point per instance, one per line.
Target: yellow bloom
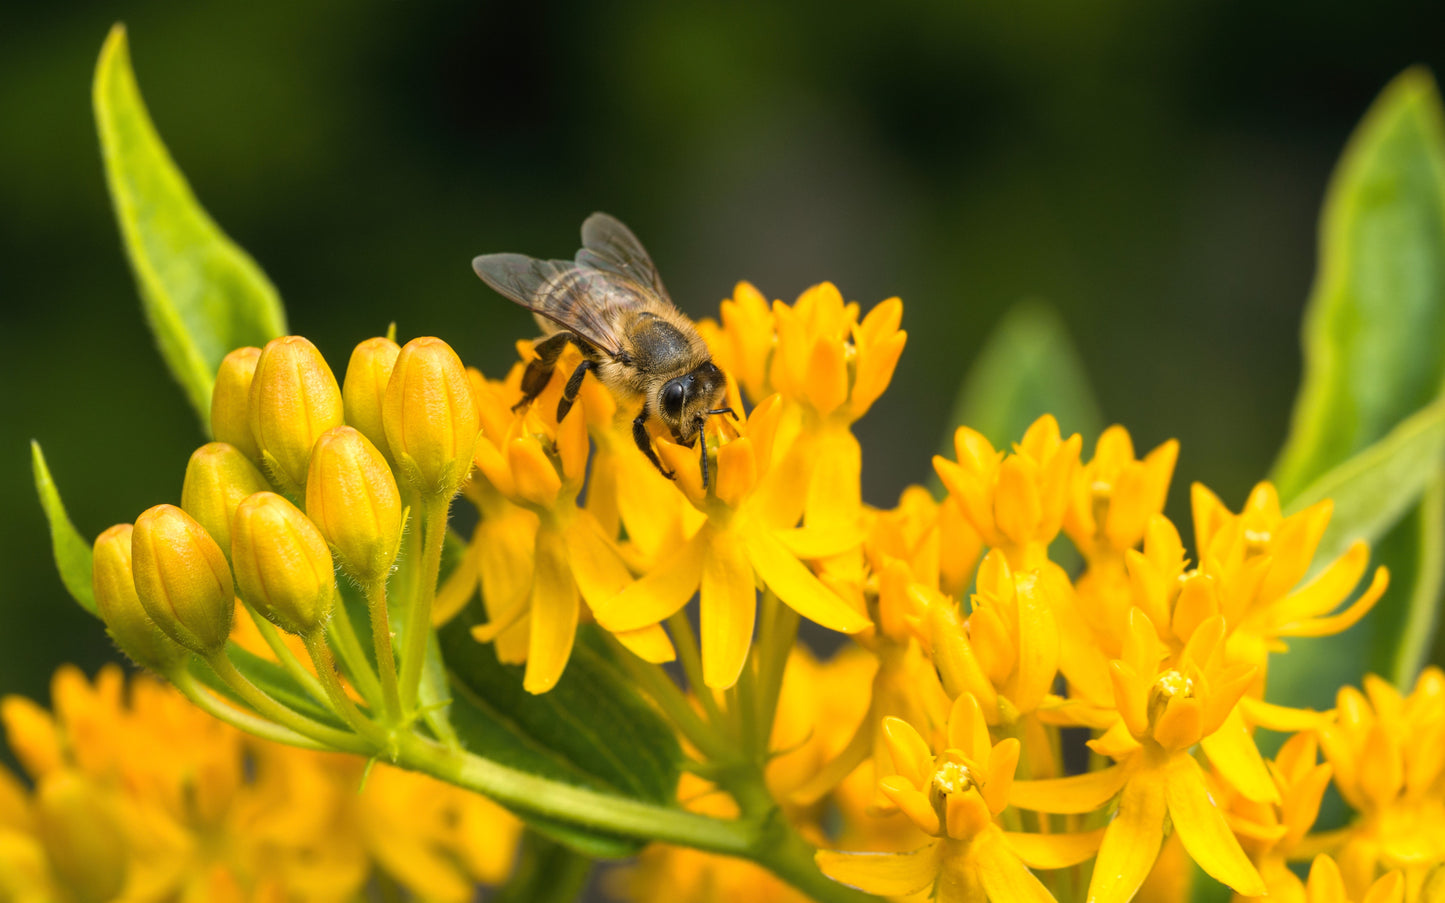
(736, 548)
(1166, 705)
(955, 797)
(1388, 754)
(1326, 885)
(538, 465)
(206, 813)
(1271, 833)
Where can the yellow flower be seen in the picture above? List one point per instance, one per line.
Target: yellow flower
(1272, 833)
(737, 547)
(955, 796)
(1259, 556)
(1388, 754)
(1016, 502)
(538, 466)
(1166, 705)
(205, 812)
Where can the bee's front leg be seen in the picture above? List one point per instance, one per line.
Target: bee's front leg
(644, 442)
(574, 385)
(539, 369)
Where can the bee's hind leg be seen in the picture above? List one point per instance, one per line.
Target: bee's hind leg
(574, 385)
(539, 369)
(644, 442)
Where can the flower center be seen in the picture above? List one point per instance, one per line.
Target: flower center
(1170, 685)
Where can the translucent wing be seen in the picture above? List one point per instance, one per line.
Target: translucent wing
(577, 298)
(610, 246)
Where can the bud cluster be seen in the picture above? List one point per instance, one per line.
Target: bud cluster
(304, 476)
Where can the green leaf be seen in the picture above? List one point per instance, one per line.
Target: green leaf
(203, 296)
(72, 552)
(592, 729)
(1375, 324)
(1028, 367)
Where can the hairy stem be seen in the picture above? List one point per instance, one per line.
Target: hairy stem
(418, 615)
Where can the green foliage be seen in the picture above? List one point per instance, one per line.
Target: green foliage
(592, 729)
(202, 295)
(271, 678)
(1374, 333)
(72, 552)
(1027, 368)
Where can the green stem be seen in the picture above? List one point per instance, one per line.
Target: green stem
(418, 615)
(275, 711)
(782, 634)
(385, 657)
(252, 724)
(343, 632)
(340, 702)
(286, 657)
(669, 697)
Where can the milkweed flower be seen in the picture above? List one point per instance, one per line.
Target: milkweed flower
(1166, 704)
(955, 796)
(1386, 751)
(538, 465)
(737, 547)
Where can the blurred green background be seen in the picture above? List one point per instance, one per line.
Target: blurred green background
(1152, 169)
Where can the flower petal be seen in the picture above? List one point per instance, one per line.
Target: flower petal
(1232, 752)
(1131, 842)
(555, 607)
(886, 874)
(1075, 794)
(660, 593)
(1054, 851)
(796, 585)
(1202, 828)
(729, 608)
(651, 644)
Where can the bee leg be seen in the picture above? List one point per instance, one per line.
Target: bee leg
(574, 385)
(539, 369)
(644, 442)
(702, 443)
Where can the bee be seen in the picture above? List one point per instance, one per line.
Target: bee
(609, 302)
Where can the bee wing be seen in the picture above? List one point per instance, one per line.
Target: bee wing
(610, 246)
(576, 298)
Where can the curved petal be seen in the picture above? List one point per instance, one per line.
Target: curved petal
(660, 593)
(1054, 851)
(1131, 842)
(1232, 752)
(1075, 794)
(729, 608)
(651, 644)
(1004, 877)
(555, 607)
(1204, 831)
(1346, 619)
(796, 585)
(1326, 590)
(886, 874)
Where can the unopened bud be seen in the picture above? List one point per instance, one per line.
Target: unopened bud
(352, 498)
(82, 836)
(231, 400)
(182, 579)
(283, 567)
(294, 399)
(430, 417)
(363, 392)
(218, 477)
(120, 607)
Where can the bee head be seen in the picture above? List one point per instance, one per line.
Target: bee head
(684, 402)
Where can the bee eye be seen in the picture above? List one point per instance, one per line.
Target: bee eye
(673, 395)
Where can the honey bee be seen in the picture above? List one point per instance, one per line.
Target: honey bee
(609, 302)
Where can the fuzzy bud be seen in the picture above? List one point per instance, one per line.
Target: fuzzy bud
(352, 497)
(120, 608)
(231, 400)
(430, 417)
(82, 835)
(182, 579)
(282, 564)
(363, 392)
(218, 477)
(294, 399)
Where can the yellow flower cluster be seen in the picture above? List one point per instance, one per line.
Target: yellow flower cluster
(140, 797)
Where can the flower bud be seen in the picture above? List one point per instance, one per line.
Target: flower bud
(430, 417)
(294, 399)
(182, 579)
(218, 477)
(352, 497)
(120, 607)
(363, 392)
(230, 401)
(283, 567)
(83, 840)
